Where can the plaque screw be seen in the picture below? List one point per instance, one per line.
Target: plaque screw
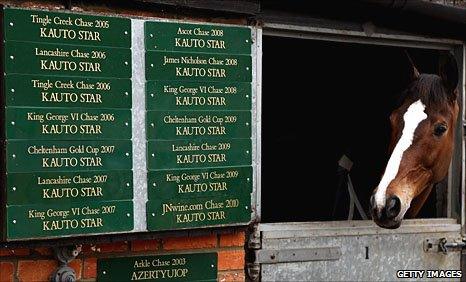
(152, 94)
(14, 221)
(247, 68)
(126, 93)
(152, 124)
(246, 207)
(211, 265)
(154, 184)
(127, 154)
(247, 41)
(247, 152)
(14, 156)
(13, 90)
(126, 32)
(153, 214)
(247, 123)
(12, 123)
(103, 272)
(151, 65)
(151, 35)
(126, 123)
(127, 184)
(11, 24)
(247, 96)
(128, 215)
(153, 155)
(248, 179)
(14, 189)
(126, 63)
(12, 57)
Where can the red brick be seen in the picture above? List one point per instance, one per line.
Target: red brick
(144, 245)
(36, 270)
(105, 248)
(44, 251)
(232, 240)
(90, 268)
(231, 260)
(77, 265)
(14, 252)
(7, 270)
(231, 276)
(200, 242)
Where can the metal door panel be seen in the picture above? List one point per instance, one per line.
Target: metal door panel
(368, 252)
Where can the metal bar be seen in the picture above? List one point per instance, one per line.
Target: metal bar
(258, 122)
(139, 126)
(362, 37)
(298, 255)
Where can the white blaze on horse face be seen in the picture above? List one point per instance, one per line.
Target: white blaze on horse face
(412, 118)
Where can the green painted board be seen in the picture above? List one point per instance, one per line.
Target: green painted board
(198, 153)
(66, 28)
(58, 59)
(170, 214)
(68, 187)
(51, 156)
(67, 124)
(195, 183)
(48, 221)
(71, 92)
(197, 67)
(166, 36)
(173, 267)
(193, 95)
(170, 125)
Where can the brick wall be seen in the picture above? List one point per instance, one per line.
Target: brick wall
(38, 264)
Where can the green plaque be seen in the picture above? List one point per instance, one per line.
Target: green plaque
(191, 95)
(68, 187)
(51, 156)
(198, 153)
(46, 221)
(165, 36)
(177, 267)
(194, 183)
(197, 67)
(169, 125)
(71, 92)
(66, 28)
(169, 214)
(67, 124)
(58, 59)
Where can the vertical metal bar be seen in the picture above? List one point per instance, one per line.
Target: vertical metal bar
(257, 104)
(139, 125)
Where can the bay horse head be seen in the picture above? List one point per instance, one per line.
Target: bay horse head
(421, 144)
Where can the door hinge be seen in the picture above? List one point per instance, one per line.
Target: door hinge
(444, 246)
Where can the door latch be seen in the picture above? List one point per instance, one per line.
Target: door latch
(443, 245)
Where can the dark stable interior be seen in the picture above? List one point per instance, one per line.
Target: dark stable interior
(321, 100)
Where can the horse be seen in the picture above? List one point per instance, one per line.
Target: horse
(421, 144)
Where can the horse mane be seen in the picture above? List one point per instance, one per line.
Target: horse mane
(429, 89)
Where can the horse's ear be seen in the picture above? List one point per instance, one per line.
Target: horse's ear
(449, 72)
(413, 72)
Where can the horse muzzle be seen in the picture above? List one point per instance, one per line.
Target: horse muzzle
(387, 216)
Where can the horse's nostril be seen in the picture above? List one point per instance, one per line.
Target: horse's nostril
(372, 201)
(393, 207)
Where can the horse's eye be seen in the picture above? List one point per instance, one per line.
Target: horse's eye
(440, 129)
